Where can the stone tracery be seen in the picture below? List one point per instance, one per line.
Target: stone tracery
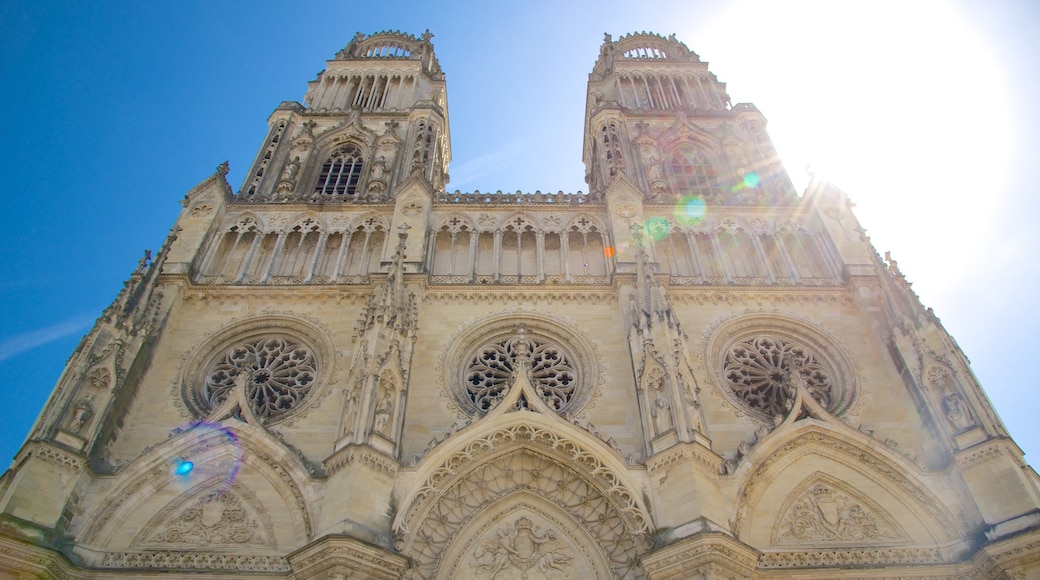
(759, 371)
(492, 368)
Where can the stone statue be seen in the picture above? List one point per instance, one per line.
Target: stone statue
(350, 411)
(291, 169)
(957, 412)
(81, 415)
(383, 410)
(662, 415)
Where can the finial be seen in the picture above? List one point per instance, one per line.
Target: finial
(223, 168)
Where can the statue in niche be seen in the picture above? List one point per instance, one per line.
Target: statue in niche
(350, 410)
(379, 168)
(660, 409)
(81, 415)
(654, 173)
(957, 412)
(291, 169)
(383, 410)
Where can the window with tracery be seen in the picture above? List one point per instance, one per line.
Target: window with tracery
(759, 371)
(493, 367)
(341, 173)
(693, 173)
(279, 374)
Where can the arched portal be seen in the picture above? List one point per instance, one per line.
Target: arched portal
(523, 498)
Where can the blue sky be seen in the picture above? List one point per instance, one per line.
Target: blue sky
(925, 113)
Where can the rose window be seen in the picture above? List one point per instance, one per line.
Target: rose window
(759, 372)
(492, 368)
(280, 372)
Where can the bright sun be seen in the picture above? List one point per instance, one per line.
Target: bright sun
(901, 105)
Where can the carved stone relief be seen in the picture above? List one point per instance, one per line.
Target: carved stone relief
(220, 518)
(521, 547)
(826, 514)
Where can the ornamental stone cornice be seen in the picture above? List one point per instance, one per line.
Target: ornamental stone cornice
(686, 452)
(49, 453)
(716, 554)
(513, 294)
(330, 554)
(362, 455)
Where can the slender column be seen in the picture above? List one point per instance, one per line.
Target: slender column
(565, 254)
(690, 92)
(365, 251)
(692, 242)
(830, 261)
(319, 249)
(266, 276)
(344, 241)
(757, 243)
(703, 94)
(585, 254)
(675, 92)
(718, 254)
(386, 91)
(540, 238)
(257, 237)
(649, 96)
(498, 256)
(474, 240)
(519, 256)
(211, 253)
(226, 262)
(779, 241)
(451, 253)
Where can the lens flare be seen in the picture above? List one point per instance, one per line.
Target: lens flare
(657, 228)
(213, 450)
(752, 179)
(691, 210)
(608, 252)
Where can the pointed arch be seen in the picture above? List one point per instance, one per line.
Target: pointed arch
(227, 456)
(454, 247)
(502, 461)
(773, 473)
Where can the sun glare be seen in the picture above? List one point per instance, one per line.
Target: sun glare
(898, 104)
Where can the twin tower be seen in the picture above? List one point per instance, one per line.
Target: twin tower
(344, 370)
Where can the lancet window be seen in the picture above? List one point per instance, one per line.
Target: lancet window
(341, 173)
(425, 145)
(693, 173)
(306, 253)
(611, 141)
(731, 252)
(520, 251)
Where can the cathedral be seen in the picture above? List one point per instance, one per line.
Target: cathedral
(345, 370)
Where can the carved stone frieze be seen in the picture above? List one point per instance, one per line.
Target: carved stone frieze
(853, 557)
(194, 560)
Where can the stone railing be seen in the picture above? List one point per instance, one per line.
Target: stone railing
(500, 196)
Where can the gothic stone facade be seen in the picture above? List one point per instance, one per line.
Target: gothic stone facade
(346, 371)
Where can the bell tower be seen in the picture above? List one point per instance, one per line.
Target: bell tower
(657, 119)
